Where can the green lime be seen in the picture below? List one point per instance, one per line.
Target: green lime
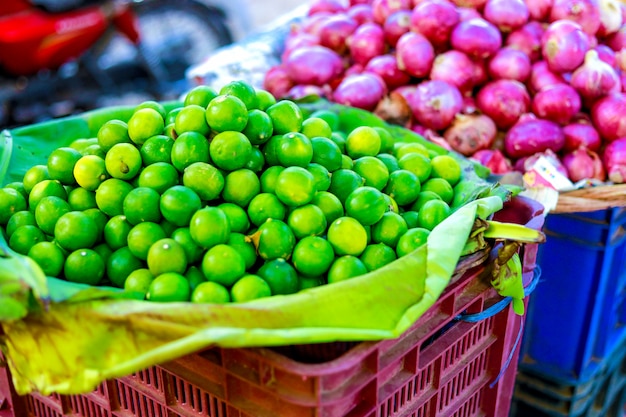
(366, 204)
(142, 236)
(20, 218)
(34, 175)
(326, 153)
(200, 95)
(111, 133)
(61, 164)
(346, 267)
(84, 266)
(48, 211)
(145, 123)
(403, 186)
(166, 255)
(154, 105)
(269, 177)
(90, 171)
(432, 213)
(250, 287)
(274, 239)
(209, 226)
(191, 118)
(193, 251)
(256, 162)
(321, 175)
(422, 198)
(270, 150)
(24, 237)
(240, 187)
(40, 190)
(346, 162)
(446, 167)
(188, 148)
(120, 264)
(389, 229)
(245, 247)
(312, 256)
(226, 113)
(330, 205)
(11, 201)
(305, 283)
(242, 90)
(343, 182)
(104, 251)
(390, 162)
(210, 293)
(363, 141)
(316, 127)
(386, 140)
(19, 187)
(138, 282)
(195, 277)
(410, 217)
(373, 171)
(100, 219)
(237, 217)
(295, 186)
(286, 116)
(405, 148)
(264, 98)
(307, 220)
(330, 117)
(417, 164)
(82, 143)
(230, 150)
(158, 148)
(169, 287)
(280, 276)
(75, 230)
(170, 117)
(347, 236)
(265, 206)
(110, 196)
(141, 204)
(259, 128)
(294, 149)
(206, 180)
(49, 257)
(123, 161)
(159, 176)
(178, 204)
(223, 264)
(116, 231)
(441, 187)
(377, 255)
(340, 140)
(411, 240)
(81, 199)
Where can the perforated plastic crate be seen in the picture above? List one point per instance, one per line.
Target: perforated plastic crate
(442, 366)
(604, 395)
(577, 315)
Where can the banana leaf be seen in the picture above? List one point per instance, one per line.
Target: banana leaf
(84, 335)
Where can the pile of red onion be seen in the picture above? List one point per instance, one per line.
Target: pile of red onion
(500, 81)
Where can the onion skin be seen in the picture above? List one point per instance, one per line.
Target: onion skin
(493, 159)
(608, 118)
(477, 38)
(531, 135)
(435, 19)
(614, 159)
(396, 25)
(300, 91)
(415, 54)
(539, 10)
(610, 17)
(474, 4)
(582, 164)
(335, 30)
(509, 64)
(606, 54)
(471, 133)
(564, 45)
(504, 101)
(298, 40)
(584, 12)
(363, 91)
(361, 13)
(382, 9)
(467, 13)
(367, 41)
(386, 67)
(325, 6)
(507, 15)
(315, 65)
(578, 134)
(541, 77)
(435, 104)
(527, 39)
(456, 68)
(558, 103)
(277, 81)
(595, 78)
(617, 41)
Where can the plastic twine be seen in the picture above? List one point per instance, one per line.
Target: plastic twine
(495, 309)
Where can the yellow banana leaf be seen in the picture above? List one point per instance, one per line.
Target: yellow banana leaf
(80, 342)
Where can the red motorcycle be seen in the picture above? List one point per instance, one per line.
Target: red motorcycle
(64, 56)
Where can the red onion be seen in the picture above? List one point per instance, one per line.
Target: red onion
(354, 69)
(558, 103)
(541, 77)
(467, 13)
(531, 135)
(480, 73)
(474, 4)
(386, 67)
(469, 105)
(396, 25)
(606, 54)
(583, 164)
(610, 17)
(277, 81)
(300, 91)
(584, 12)
(504, 101)
(361, 13)
(617, 41)
(494, 160)
(312, 23)
(325, 6)
(435, 19)
(360, 90)
(415, 54)
(431, 136)
(527, 39)
(435, 104)
(355, 2)
(315, 65)
(407, 92)
(454, 67)
(298, 40)
(507, 15)
(510, 64)
(382, 9)
(335, 30)
(564, 46)
(579, 134)
(539, 9)
(367, 41)
(476, 37)
(595, 78)
(608, 116)
(614, 158)
(471, 133)
(526, 163)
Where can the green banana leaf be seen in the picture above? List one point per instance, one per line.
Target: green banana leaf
(87, 335)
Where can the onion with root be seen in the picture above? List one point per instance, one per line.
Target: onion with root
(471, 133)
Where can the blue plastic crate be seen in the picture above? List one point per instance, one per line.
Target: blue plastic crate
(577, 314)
